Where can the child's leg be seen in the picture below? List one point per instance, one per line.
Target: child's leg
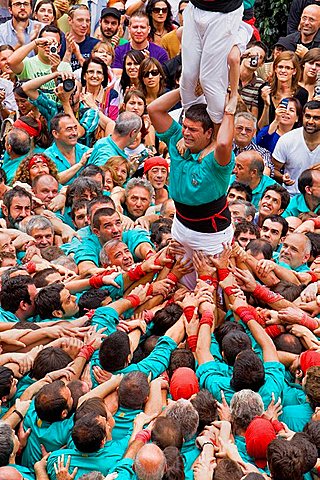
(234, 74)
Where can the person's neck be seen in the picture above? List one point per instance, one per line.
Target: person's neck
(161, 195)
(312, 139)
(121, 142)
(139, 46)
(284, 88)
(159, 27)
(68, 151)
(254, 183)
(152, 94)
(134, 81)
(307, 38)
(94, 90)
(20, 23)
(282, 129)
(78, 38)
(44, 59)
(312, 202)
(246, 75)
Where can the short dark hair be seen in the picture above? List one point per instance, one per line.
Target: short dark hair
(258, 43)
(312, 386)
(281, 220)
(283, 192)
(40, 278)
(312, 429)
(312, 105)
(241, 187)
(233, 343)
(248, 372)
(288, 290)
(174, 464)
(50, 29)
(207, 408)
(260, 246)
(102, 212)
(134, 390)
(15, 192)
(19, 140)
(94, 405)
(6, 444)
(166, 432)
(49, 403)
(92, 298)
(114, 351)
(100, 199)
(88, 433)
(198, 113)
(286, 342)
(6, 377)
(14, 291)
(285, 460)
(245, 226)
(165, 318)
(48, 300)
(49, 360)
(228, 469)
(226, 327)
(309, 450)
(92, 171)
(79, 186)
(305, 180)
(54, 123)
(181, 357)
(315, 243)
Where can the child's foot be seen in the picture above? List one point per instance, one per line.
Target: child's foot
(231, 106)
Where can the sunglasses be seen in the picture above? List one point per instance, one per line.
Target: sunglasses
(153, 73)
(160, 10)
(76, 7)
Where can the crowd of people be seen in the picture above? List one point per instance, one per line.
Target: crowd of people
(159, 241)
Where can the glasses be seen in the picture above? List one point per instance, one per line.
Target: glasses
(160, 10)
(240, 128)
(285, 67)
(21, 4)
(153, 73)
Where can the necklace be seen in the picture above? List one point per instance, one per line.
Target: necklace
(159, 34)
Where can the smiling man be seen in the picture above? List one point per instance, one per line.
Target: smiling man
(274, 201)
(295, 252)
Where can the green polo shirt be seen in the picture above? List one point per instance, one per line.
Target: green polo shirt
(298, 205)
(124, 419)
(125, 470)
(60, 160)
(301, 268)
(51, 435)
(194, 182)
(297, 416)
(104, 460)
(25, 472)
(215, 377)
(190, 452)
(10, 165)
(105, 149)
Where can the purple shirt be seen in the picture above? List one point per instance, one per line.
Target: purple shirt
(156, 52)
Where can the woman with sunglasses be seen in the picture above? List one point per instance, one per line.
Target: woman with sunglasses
(283, 84)
(160, 18)
(129, 77)
(152, 79)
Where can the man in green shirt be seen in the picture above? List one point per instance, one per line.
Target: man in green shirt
(309, 198)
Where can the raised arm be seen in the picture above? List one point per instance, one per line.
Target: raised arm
(223, 149)
(31, 87)
(158, 110)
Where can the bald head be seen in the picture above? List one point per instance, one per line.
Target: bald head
(150, 462)
(249, 168)
(309, 23)
(10, 473)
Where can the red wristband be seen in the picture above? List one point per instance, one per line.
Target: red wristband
(133, 299)
(157, 261)
(173, 277)
(149, 254)
(209, 280)
(278, 426)
(230, 290)
(223, 273)
(150, 289)
(144, 436)
(31, 267)
(89, 313)
(86, 352)
(261, 292)
(96, 281)
(170, 257)
(314, 277)
(188, 312)
(274, 330)
(248, 313)
(192, 341)
(309, 322)
(136, 273)
(207, 318)
(316, 222)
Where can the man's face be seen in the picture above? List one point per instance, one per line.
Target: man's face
(237, 213)
(293, 223)
(137, 201)
(67, 133)
(311, 121)
(81, 218)
(6, 244)
(195, 138)
(253, 52)
(270, 204)
(293, 251)
(271, 232)
(139, 30)
(314, 190)
(80, 22)
(20, 10)
(109, 26)
(43, 237)
(32, 290)
(110, 228)
(120, 256)
(242, 169)
(245, 237)
(46, 189)
(4, 66)
(20, 208)
(157, 176)
(310, 20)
(68, 303)
(244, 132)
(170, 210)
(236, 195)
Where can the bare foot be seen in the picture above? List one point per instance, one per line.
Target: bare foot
(232, 105)
(181, 147)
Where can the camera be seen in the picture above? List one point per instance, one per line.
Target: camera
(317, 86)
(284, 103)
(53, 49)
(254, 61)
(68, 84)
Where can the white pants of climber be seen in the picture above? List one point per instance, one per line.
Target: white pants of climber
(206, 42)
(210, 243)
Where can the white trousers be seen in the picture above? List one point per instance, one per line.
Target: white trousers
(206, 42)
(210, 243)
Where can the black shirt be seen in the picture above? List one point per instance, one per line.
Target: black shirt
(223, 6)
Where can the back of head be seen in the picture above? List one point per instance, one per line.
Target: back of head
(309, 450)
(89, 433)
(50, 404)
(126, 122)
(14, 291)
(150, 463)
(207, 408)
(6, 378)
(286, 342)
(175, 465)
(245, 406)
(165, 318)
(48, 360)
(248, 372)
(285, 460)
(260, 247)
(312, 429)
(181, 357)
(133, 390)
(92, 405)
(10, 473)
(114, 351)
(227, 469)
(6, 443)
(166, 432)
(226, 327)
(234, 343)
(186, 415)
(288, 290)
(312, 386)
(91, 298)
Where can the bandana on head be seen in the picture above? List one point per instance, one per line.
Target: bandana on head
(309, 359)
(155, 162)
(184, 383)
(35, 159)
(33, 132)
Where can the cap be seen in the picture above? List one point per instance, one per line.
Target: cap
(258, 436)
(184, 383)
(283, 42)
(112, 12)
(155, 162)
(309, 359)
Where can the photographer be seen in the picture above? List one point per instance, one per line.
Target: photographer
(46, 61)
(68, 92)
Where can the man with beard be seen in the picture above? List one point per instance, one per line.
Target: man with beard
(16, 206)
(299, 149)
(309, 198)
(109, 25)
